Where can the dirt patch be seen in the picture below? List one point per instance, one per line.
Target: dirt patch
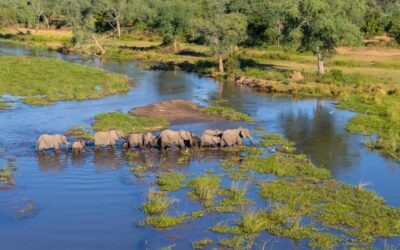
(176, 112)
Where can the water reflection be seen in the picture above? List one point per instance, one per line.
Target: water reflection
(106, 159)
(315, 132)
(52, 162)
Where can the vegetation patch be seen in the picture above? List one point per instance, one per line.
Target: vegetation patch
(200, 244)
(228, 113)
(351, 210)
(204, 188)
(170, 181)
(164, 221)
(3, 105)
(43, 81)
(285, 165)
(382, 117)
(127, 123)
(7, 176)
(244, 149)
(81, 132)
(278, 142)
(157, 203)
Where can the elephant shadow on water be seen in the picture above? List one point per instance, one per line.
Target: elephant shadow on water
(56, 162)
(106, 159)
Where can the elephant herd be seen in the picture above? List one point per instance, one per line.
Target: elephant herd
(167, 139)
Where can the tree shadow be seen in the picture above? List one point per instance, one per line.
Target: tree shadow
(251, 63)
(139, 48)
(188, 52)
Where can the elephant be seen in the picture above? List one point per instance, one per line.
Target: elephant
(213, 132)
(196, 141)
(107, 138)
(46, 141)
(181, 138)
(135, 140)
(148, 140)
(210, 141)
(233, 137)
(78, 146)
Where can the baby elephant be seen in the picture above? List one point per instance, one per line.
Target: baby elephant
(78, 146)
(46, 141)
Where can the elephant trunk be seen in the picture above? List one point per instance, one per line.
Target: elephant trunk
(251, 140)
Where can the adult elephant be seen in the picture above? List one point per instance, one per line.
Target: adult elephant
(234, 137)
(46, 141)
(148, 140)
(107, 138)
(181, 138)
(213, 132)
(141, 140)
(210, 141)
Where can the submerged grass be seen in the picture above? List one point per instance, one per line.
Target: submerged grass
(127, 123)
(7, 175)
(157, 203)
(228, 113)
(201, 244)
(3, 105)
(42, 81)
(170, 181)
(205, 188)
(164, 221)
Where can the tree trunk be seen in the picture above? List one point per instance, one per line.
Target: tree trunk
(175, 45)
(46, 21)
(98, 45)
(118, 27)
(220, 63)
(321, 69)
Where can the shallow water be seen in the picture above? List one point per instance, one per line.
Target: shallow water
(93, 201)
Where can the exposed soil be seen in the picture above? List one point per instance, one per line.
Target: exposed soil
(176, 112)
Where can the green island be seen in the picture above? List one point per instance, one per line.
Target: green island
(43, 81)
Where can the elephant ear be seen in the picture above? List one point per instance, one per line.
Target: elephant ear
(184, 135)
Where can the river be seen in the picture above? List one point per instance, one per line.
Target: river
(93, 201)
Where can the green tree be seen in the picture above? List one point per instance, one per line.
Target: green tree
(222, 32)
(172, 19)
(320, 26)
(115, 12)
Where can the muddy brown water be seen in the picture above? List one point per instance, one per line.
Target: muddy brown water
(93, 201)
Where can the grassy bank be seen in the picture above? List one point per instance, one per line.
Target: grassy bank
(42, 81)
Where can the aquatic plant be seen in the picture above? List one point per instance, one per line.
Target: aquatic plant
(157, 203)
(200, 244)
(278, 142)
(43, 81)
(170, 181)
(204, 188)
(236, 195)
(3, 105)
(164, 221)
(244, 149)
(228, 113)
(7, 175)
(127, 123)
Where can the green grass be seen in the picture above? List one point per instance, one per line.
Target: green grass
(170, 181)
(7, 175)
(80, 132)
(228, 113)
(278, 141)
(204, 188)
(164, 221)
(157, 203)
(284, 165)
(382, 117)
(200, 244)
(127, 123)
(3, 105)
(351, 210)
(43, 81)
